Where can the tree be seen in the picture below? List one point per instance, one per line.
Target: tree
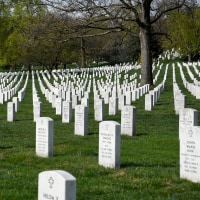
(183, 29)
(20, 15)
(123, 15)
(5, 30)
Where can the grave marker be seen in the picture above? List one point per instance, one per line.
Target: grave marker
(44, 136)
(109, 144)
(81, 120)
(67, 112)
(113, 105)
(99, 110)
(56, 185)
(148, 102)
(59, 105)
(37, 110)
(128, 120)
(10, 111)
(189, 136)
(16, 102)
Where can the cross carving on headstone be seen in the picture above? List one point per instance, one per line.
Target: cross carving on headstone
(51, 182)
(190, 133)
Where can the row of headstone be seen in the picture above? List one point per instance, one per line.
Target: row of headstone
(109, 134)
(195, 67)
(194, 87)
(37, 104)
(152, 97)
(13, 106)
(169, 54)
(58, 184)
(22, 91)
(109, 140)
(8, 91)
(158, 73)
(81, 111)
(114, 95)
(56, 96)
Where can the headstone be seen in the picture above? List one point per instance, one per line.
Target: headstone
(20, 95)
(188, 117)
(81, 120)
(85, 102)
(122, 101)
(128, 97)
(10, 111)
(99, 110)
(56, 185)
(74, 101)
(44, 136)
(2, 98)
(58, 105)
(189, 136)
(53, 100)
(179, 102)
(109, 144)
(128, 120)
(37, 110)
(67, 112)
(151, 92)
(148, 102)
(134, 95)
(113, 106)
(16, 102)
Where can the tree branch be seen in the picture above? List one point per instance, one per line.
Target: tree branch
(159, 15)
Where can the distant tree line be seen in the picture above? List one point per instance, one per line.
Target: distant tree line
(52, 33)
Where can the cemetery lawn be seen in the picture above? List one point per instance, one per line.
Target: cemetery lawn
(149, 161)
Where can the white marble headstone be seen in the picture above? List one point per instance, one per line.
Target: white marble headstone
(16, 102)
(99, 110)
(109, 144)
(67, 112)
(56, 185)
(189, 136)
(10, 111)
(81, 120)
(148, 102)
(128, 120)
(37, 110)
(44, 136)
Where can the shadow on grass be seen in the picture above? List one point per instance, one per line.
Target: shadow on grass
(92, 133)
(8, 147)
(27, 119)
(135, 164)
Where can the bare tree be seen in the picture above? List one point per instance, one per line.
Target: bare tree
(122, 15)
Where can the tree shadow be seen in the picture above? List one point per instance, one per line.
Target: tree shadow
(136, 164)
(6, 147)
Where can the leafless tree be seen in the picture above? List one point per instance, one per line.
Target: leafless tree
(122, 15)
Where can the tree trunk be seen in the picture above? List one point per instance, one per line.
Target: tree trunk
(56, 66)
(29, 68)
(146, 58)
(65, 66)
(189, 57)
(83, 56)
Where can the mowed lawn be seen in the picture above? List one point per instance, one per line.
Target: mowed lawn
(149, 161)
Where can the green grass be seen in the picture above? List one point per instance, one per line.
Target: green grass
(149, 161)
